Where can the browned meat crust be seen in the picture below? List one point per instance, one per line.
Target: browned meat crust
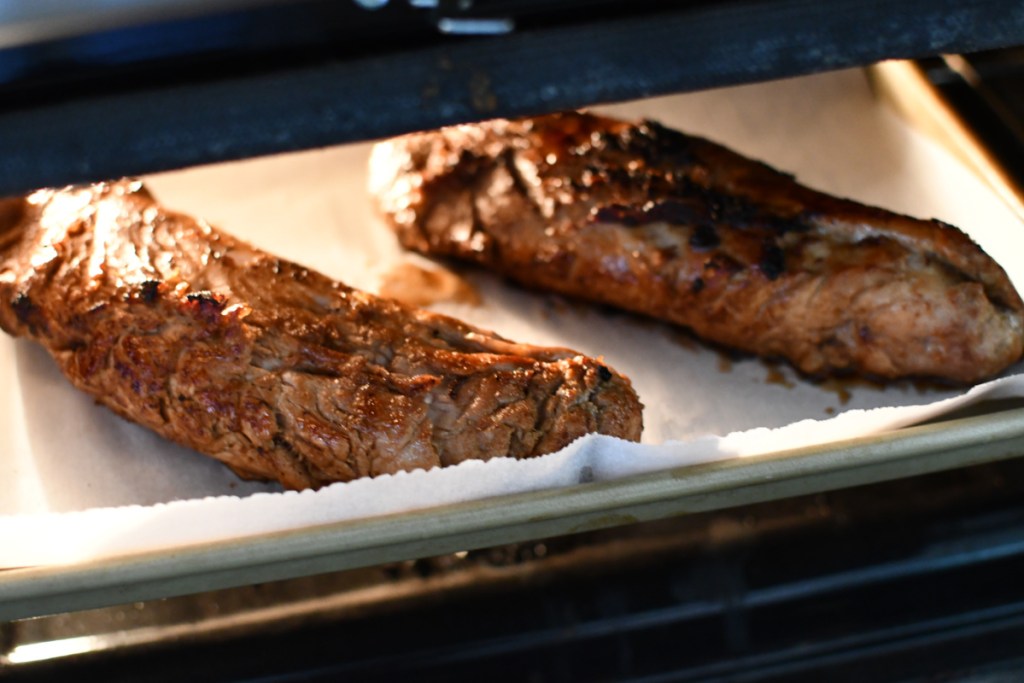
(682, 229)
(277, 371)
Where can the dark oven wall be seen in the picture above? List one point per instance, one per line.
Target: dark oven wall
(90, 96)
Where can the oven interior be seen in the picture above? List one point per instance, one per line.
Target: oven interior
(906, 580)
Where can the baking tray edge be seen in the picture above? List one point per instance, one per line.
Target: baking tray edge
(911, 451)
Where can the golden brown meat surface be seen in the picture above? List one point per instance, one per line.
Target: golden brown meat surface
(277, 371)
(677, 227)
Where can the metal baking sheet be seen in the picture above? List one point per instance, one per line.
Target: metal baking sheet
(518, 515)
(912, 451)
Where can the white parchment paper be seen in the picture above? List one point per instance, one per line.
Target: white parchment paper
(78, 483)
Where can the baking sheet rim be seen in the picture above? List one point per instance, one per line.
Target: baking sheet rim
(949, 444)
(33, 591)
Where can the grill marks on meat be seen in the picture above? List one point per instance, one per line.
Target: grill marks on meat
(673, 226)
(276, 370)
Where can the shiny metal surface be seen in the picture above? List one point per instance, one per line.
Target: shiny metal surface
(23, 23)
